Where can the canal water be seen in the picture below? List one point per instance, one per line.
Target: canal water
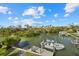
(69, 50)
(23, 44)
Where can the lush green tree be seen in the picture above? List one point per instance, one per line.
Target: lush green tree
(34, 30)
(8, 42)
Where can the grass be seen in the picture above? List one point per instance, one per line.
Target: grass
(29, 39)
(4, 52)
(32, 40)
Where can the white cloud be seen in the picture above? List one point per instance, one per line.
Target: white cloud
(70, 7)
(55, 15)
(30, 11)
(9, 12)
(16, 18)
(30, 22)
(13, 18)
(26, 21)
(41, 10)
(4, 10)
(66, 15)
(35, 12)
(16, 22)
(9, 18)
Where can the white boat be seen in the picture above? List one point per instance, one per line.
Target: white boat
(75, 41)
(52, 45)
(58, 46)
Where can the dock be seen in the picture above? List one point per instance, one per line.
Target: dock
(43, 52)
(76, 38)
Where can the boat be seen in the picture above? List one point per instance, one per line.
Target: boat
(58, 46)
(75, 41)
(50, 44)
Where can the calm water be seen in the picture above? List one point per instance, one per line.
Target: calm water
(23, 44)
(69, 50)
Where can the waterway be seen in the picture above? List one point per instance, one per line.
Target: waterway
(69, 50)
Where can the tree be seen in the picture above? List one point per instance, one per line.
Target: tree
(10, 41)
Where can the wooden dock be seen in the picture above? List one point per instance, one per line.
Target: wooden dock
(26, 50)
(43, 53)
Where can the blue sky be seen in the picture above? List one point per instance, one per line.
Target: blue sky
(57, 14)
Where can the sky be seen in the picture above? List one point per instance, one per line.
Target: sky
(36, 14)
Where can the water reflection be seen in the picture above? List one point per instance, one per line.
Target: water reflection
(23, 44)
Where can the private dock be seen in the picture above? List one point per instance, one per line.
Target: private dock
(76, 38)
